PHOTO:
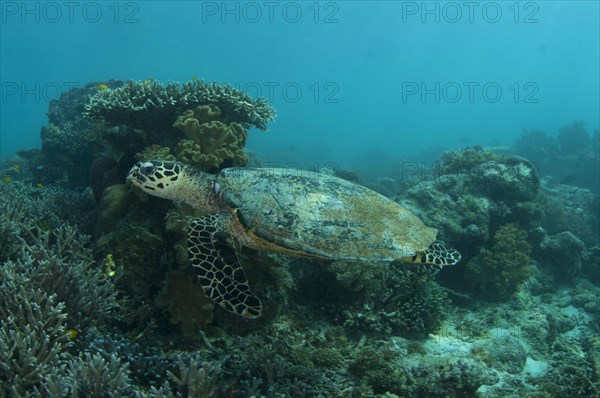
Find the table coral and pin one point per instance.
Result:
(147, 103)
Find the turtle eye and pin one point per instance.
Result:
(147, 170)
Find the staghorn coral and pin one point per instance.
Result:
(196, 378)
(32, 331)
(27, 206)
(498, 272)
(60, 262)
(149, 103)
(211, 143)
(91, 375)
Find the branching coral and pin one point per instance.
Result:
(27, 206)
(60, 262)
(141, 104)
(196, 377)
(211, 143)
(498, 272)
(91, 376)
(32, 332)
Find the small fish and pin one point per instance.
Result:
(101, 86)
(16, 167)
(109, 265)
(72, 333)
(7, 180)
(149, 80)
(39, 185)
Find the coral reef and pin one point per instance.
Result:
(563, 252)
(24, 208)
(144, 104)
(119, 314)
(498, 272)
(155, 152)
(211, 144)
(378, 299)
(571, 157)
(49, 286)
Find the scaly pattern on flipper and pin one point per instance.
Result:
(218, 268)
(436, 254)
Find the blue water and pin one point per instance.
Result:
(350, 80)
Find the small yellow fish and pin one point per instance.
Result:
(109, 266)
(16, 167)
(101, 86)
(149, 80)
(40, 186)
(72, 333)
(7, 180)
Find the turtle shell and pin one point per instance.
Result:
(321, 215)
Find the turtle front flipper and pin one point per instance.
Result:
(218, 268)
(436, 254)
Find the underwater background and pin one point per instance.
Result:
(482, 118)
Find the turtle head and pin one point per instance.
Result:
(156, 177)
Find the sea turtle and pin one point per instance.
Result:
(288, 211)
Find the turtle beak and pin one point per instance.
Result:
(133, 175)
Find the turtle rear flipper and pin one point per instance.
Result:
(218, 268)
(436, 254)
